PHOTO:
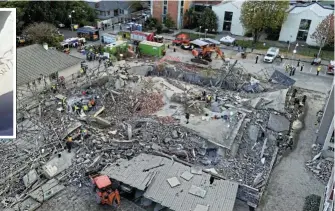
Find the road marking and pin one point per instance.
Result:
(284, 64)
(310, 70)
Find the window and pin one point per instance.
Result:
(102, 13)
(182, 3)
(109, 13)
(303, 29)
(164, 18)
(332, 138)
(97, 5)
(165, 3)
(331, 149)
(164, 10)
(228, 17)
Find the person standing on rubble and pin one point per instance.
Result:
(85, 108)
(318, 70)
(69, 143)
(77, 109)
(209, 99)
(187, 116)
(54, 88)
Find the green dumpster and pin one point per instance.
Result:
(152, 48)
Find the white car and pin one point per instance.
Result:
(271, 55)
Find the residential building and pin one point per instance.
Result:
(110, 9)
(36, 60)
(328, 204)
(228, 13)
(302, 21)
(325, 135)
(176, 10)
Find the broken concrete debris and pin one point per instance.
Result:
(144, 115)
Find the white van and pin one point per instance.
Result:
(271, 54)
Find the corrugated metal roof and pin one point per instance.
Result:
(150, 173)
(34, 60)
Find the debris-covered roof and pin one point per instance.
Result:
(34, 60)
(174, 185)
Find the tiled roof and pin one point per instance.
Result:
(149, 173)
(34, 60)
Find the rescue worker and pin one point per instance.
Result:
(204, 95)
(85, 108)
(69, 143)
(187, 116)
(287, 67)
(83, 133)
(76, 109)
(54, 88)
(81, 71)
(64, 102)
(318, 70)
(92, 102)
(256, 59)
(89, 106)
(209, 99)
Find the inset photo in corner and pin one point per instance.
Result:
(7, 73)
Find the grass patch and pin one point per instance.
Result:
(195, 36)
(304, 51)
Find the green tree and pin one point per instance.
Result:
(43, 33)
(150, 23)
(256, 16)
(208, 20)
(169, 23)
(190, 18)
(53, 12)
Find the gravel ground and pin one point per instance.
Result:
(290, 182)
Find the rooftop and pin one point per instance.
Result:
(34, 60)
(155, 44)
(174, 185)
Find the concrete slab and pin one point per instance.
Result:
(219, 132)
(173, 182)
(46, 191)
(253, 131)
(30, 178)
(200, 207)
(278, 123)
(58, 164)
(27, 205)
(197, 191)
(102, 121)
(271, 100)
(196, 170)
(187, 175)
(72, 128)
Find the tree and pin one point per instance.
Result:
(43, 33)
(209, 20)
(168, 22)
(53, 12)
(190, 18)
(151, 23)
(324, 32)
(256, 16)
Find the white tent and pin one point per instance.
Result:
(227, 39)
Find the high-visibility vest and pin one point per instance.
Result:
(76, 107)
(81, 70)
(89, 104)
(319, 69)
(85, 107)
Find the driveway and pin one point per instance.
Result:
(290, 182)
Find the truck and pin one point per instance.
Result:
(152, 48)
(138, 36)
(271, 55)
(180, 39)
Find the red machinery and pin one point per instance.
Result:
(330, 69)
(138, 36)
(181, 38)
(107, 192)
(203, 56)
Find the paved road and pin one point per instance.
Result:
(290, 182)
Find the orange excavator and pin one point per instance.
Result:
(107, 192)
(203, 56)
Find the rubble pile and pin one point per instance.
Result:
(123, 125)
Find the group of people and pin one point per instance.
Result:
(86, 107)
(82, 133)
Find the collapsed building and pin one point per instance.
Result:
(139, 132)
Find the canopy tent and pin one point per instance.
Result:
(199, 42)
(211, 41)
(227, 39)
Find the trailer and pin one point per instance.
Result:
(108, 38)
(152, 48)
(138, 36)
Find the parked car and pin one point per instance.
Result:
(271, 55)
(330, 69)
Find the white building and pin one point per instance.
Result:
(302, 21)
(328, 204)
(228, 13)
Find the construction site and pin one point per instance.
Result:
(153, 132)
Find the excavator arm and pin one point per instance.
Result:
(219, 53)
(114, 196)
